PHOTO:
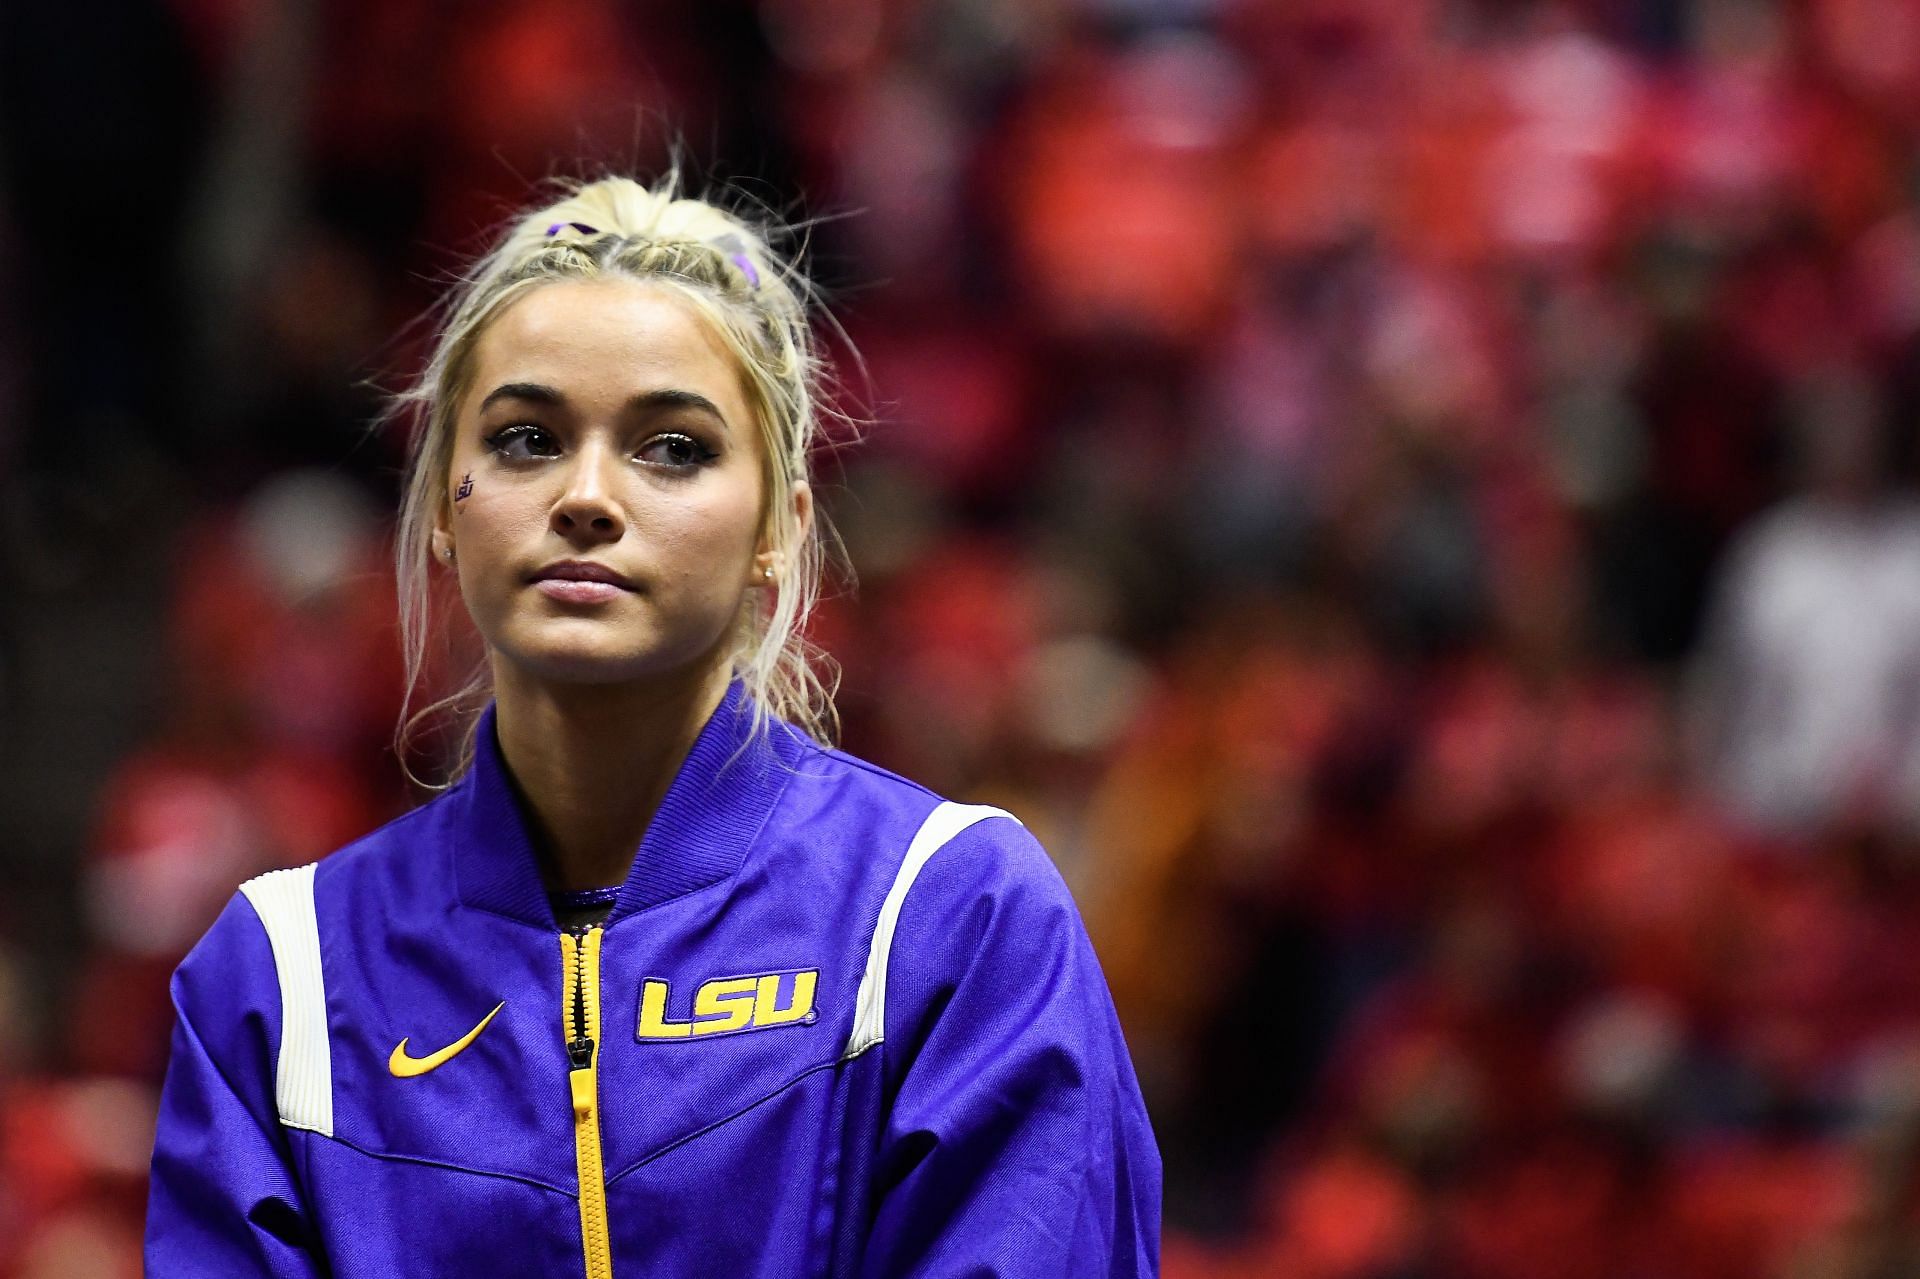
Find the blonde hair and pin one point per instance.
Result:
(757, 303)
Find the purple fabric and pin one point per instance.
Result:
(997, 1129)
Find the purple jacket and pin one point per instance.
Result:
(833, 1026)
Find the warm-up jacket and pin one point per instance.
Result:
(832, 1026)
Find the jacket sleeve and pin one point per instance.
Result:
(223, 1199)
(1016, 1142)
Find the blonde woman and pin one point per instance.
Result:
(662, 984)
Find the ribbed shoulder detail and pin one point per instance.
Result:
(945, 822)
(303, 1073)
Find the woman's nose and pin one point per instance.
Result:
(587, 507)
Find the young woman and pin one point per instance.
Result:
(662, 985)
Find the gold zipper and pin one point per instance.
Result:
(580, 957)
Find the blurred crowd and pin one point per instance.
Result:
(1412, 500)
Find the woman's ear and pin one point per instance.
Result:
(767, 568)
(442, 537)
(802, 510)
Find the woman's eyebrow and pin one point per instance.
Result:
(674, 398)
(666, 398)
(533, 391)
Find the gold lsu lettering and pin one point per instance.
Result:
(730, 1005)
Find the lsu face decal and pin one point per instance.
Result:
(731, 1005)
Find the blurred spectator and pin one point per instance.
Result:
(1810, 700)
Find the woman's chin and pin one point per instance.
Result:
(590, 663)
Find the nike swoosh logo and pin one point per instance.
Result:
(406, 1067)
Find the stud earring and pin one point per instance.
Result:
(767, 572)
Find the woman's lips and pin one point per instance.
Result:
(575, 591)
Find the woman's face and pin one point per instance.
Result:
(604, 499)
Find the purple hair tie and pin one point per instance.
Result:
(736, 251)
(581, 227)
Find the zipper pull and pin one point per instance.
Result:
(580, 1047)
(580, 1079)
(581, 1076)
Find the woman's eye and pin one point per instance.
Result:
(523, 440)
(676, 450)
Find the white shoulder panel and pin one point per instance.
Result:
(303, 1078)
(942, 824)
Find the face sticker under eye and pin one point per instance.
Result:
(465, 490)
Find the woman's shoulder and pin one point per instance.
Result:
(955, 892)
(402, 830)
(403, 860)
(809, 757)
(390, 846)
(854, 789)
(936, 846)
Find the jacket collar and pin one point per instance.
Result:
(711, 814)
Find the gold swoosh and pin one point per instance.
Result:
(406, 1067)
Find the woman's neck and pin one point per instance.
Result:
(593, 762)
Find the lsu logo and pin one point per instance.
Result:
(730, 1005)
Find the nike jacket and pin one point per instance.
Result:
(832, 1026)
